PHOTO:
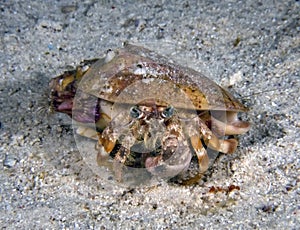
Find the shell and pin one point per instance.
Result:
(154, 77)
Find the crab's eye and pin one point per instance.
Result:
(135, 112)
(168, 112)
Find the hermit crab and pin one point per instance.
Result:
(148, 115)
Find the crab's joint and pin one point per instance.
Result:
(229, 146)
(122, 155)
(108, 144)
(220, 145)
(196, 142)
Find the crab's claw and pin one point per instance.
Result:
(174, 156)
(174, 159)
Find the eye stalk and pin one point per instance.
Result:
(168, 112)
(135, 112)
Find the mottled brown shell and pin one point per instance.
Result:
(134, 72)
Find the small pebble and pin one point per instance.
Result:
(160, 33)
(9, 161)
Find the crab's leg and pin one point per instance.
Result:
(210, 139)
(104, 149)
(201, 153)
(203, 162)
(114, 129)
(224, 146)
(107, 143)
(119, 162)
(232, 125)
(225, 123)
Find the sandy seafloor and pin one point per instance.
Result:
(250, 47)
